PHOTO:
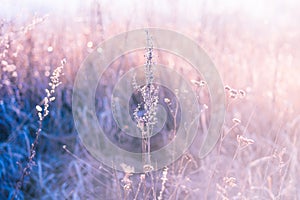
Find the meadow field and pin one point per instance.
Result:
(254, 46)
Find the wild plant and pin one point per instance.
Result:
(42, 112)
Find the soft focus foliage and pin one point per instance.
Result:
(255, 48)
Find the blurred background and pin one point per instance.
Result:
(255, 47)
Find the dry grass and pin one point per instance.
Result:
(256, 157)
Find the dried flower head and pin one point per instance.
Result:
(236, 120)
(242, 93)
(127, 169)
(200, 83)
(243, 141)
(229, 181)
(167, 100)
(148, 168)
(233, 93)
(227, 87)
(38, 108)
(164, 180)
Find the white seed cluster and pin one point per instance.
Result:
(148, 118)
(229, 181)
(145, 113)
(149, 93)
(234, 93)
(164, 180)
(243, 141)
(54, 83)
